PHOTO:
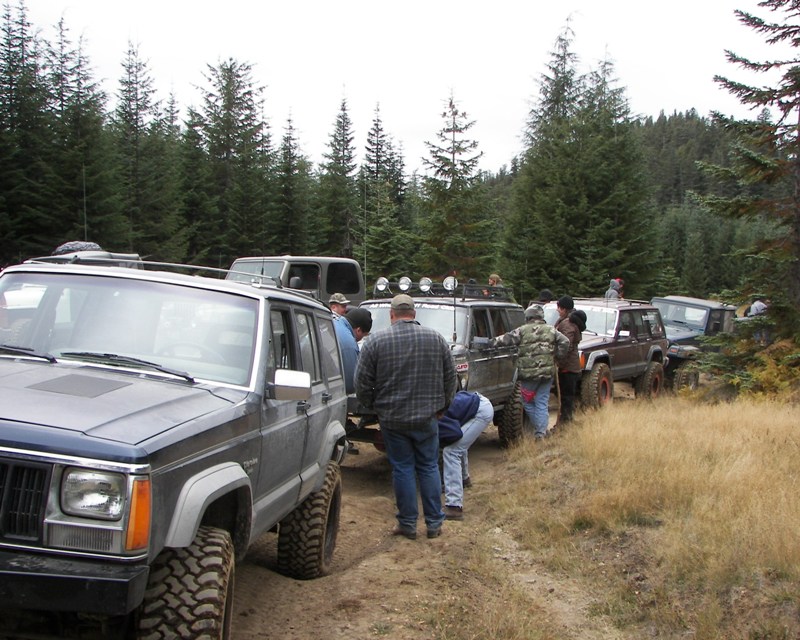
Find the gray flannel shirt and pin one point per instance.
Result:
(405, 374)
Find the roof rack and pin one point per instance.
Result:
(449, 288)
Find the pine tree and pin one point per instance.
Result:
(85, 201)
(456, 228)
(26, 123)
(337, 214)
(294, 190)
(768, 153)
(242, 161)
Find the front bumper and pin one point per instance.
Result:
(30, 581)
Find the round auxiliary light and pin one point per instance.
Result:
(425, 284)
(450, 283)
(404, 283)
(381, 284)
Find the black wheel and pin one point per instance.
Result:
(190, 591)
(192, 351)
(597, 387)
(651, 383)
(686, 376)
(510, 419)
(307, 536)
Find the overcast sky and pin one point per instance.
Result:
(408, 56)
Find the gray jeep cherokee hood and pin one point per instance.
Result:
(101, 403)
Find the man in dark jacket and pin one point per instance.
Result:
(539, 344)
(571, 323)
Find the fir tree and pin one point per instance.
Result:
(338, 196)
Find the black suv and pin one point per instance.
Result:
(467, 316)
(686, 321)
(153, 425)
(624, 340)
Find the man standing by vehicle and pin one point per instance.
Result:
(571, 323)
(351, 328)
(406, 374)
(338, 303)
(539, 346)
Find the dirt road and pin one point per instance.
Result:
(390, 587)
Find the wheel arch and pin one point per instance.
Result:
(220, 496)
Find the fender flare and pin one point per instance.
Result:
(197, 493)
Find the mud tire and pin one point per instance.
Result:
(307, 536)
(190, 591)
(597, 387)
(650, 384)
(686, 376)
(510, 419)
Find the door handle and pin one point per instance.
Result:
(326, 397)
(303, 406)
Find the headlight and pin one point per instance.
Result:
(93, 494)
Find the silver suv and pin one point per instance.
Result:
(467, 316)
(153, 425)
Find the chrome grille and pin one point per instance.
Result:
(23, 493)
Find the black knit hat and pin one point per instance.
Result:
(565, 302)
(579, 318)
(545, 295)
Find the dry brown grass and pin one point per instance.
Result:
(682, 518)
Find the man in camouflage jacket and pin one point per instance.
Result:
(539, 346)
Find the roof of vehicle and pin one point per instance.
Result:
(620, 303)
(320, 259)
(447, 292)
(170, 273)
(699, 302)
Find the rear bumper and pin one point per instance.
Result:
(29, 581)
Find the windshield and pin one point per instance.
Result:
(683, 314)
(438, 317)
(599, 320)
(250, 268)
(128, 323)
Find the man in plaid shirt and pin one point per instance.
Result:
(406, 374)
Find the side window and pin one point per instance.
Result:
(626, 322)
(308, 274)
(480, 324)
(653, 325)
(639, 329)
(330, 349)
(309, 360)
(342, 277)
(281, 348)
(499, 321)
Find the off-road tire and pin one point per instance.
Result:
(597, 387)
(510, 419)
(190, 591)
(650, 384)
(307, 536)
(686, 376)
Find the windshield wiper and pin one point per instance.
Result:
(26, 351)
(115, 358)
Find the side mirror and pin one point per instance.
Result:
(295, 282)
(290, 385)
(481, 343)
(624, 333)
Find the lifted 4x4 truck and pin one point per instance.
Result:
(624, 341)
(153, 425)
(467, 316)
(686, 321)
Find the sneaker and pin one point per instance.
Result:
(467, 482)
(406, 533)
(434, 533)
(453, 513)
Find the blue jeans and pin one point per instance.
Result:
(454, 456)
(414, 455)
(536, 409)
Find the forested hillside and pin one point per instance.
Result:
(598, 193)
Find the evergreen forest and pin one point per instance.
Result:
(597, 193)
